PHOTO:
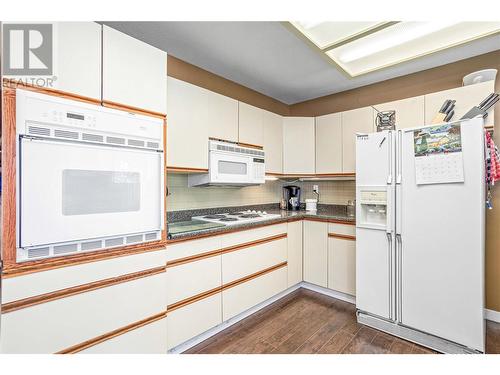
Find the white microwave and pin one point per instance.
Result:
(89, 177)
(231, 165)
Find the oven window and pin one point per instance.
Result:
(232, 167)
(87, 192)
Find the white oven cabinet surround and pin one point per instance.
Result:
(273, 141)
(250, 124)
(187, 129)
(329, 143)
(355, 121)
(466, 97)
(298, 145)
(77, 65)
(409, 112)
(134, 73)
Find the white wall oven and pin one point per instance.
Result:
(231, 165)
(88, 177)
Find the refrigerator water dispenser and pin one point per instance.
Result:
(373, 208)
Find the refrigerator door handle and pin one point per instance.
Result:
(391, 287)
(399, 278)
(399, 162)
(389, 146)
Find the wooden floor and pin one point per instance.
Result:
(308, 322)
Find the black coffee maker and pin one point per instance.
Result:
(291, 194)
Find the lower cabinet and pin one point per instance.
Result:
(342, 258)
(316, 252)
(148, 339)
(294, 248)
(241, 297)
(193, 319)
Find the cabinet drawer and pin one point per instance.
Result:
(345, 229)
(243, 262)
(148, 339)
(193, 319)
(248, 294)
(19, 287)
(250, 235)
(189, 279)
(192, 248)
(59, 324)
(342, 265)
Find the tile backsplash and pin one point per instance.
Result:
(182, 197)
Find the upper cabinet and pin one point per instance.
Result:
(298, 145)
(273, 141)
(78, 58)
(409, 112)
(221, 116)
(466, 97)
(356, 121)
(250, 122)
(329, 144)
(134, 73)
(187, 130)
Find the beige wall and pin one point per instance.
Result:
(183, 197)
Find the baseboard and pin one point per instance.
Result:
(329, 292)
(228, 323)
(492, 315)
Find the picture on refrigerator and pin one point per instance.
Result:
(440, 139)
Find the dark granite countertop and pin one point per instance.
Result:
(180, 219)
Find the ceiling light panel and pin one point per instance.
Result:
(405, 41)
(326, 34)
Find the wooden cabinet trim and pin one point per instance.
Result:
(131, 109)
(186, 170)
(117, 332)
(342, 236)
(74, 290)
(325, 220)
(249, 145)
(254, 275)
(253, 243)
(193, 299)
(192, 258)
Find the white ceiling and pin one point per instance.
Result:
(269, 58)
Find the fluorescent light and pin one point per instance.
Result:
(414, 31)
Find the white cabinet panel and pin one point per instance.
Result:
(466, 97)
(244, 262)
(273, 142)
(53, 326)
(316, 252)
(189, 279)
(250, 235)
(342, 265)
(356, 121)
(329, 143)
(409, 112)
(347, 229)
(77, 64)
(134, 73)
(294, 243)
(221, 116)
(193, 319)
(239, 298)
(298, 145)
(194, 247)
(37, 283)
(187, 129)
(250, 123)
(148, 339)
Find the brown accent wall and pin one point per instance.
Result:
(436, 79)
(197, 76)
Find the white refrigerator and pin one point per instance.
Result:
(420, 222)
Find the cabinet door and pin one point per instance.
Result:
(298, 145)
(221, 116)
(466, 97)
(316, 252)
(250, 124)
(342, 265)
(409, 112)
(187, 131)
(134, 73)
(78, 58)
(273, 141)
(294, 253)
(356, 121)
(329, 143)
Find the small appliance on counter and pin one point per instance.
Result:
(291, 194)
(311, 204)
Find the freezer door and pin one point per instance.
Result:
(441, 245)
(375, 167)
